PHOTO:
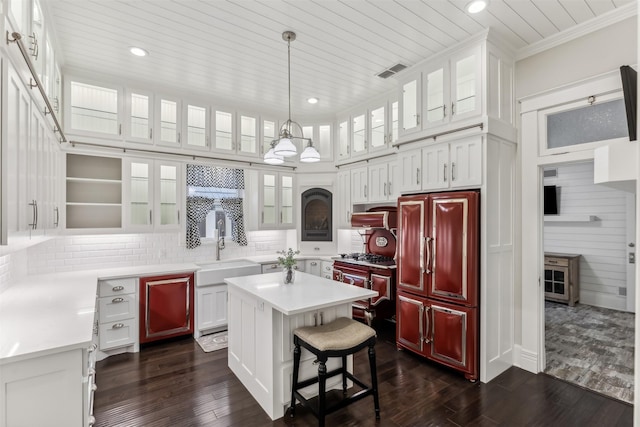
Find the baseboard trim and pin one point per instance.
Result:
(525, 359)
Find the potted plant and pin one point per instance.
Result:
(287, 261)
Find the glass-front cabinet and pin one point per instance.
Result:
(358, 134)
(152, 194)
(139, 116)
(452, 89)
(196, 127)
(276, 200)
(378, 127)
(411, 104)
(269, 133)
(168, 112)
(93, 109)
(344, 147)
(236, 132)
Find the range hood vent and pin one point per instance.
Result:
(385, 217)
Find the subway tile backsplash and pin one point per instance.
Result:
(74, 253)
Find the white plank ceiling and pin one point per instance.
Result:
(233, 52)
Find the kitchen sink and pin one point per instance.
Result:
(215, 272)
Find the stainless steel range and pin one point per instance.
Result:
(375, 268)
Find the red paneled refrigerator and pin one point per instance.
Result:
(437, 278)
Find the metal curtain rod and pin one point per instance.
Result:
(192, 156)
(436, 135)
(17, 38)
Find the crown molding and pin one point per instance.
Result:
(602, 21)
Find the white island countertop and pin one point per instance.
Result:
(306, 293)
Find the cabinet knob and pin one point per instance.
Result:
(117, 300)
(117, 288)
(118, 326)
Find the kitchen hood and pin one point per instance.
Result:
(379, 217)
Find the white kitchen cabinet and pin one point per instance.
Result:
(117, 316)
(452, 165)
(168, 121)
(343, 196)
(271, 268)
(343, 138)
(32, 170)
(211, 308)
(326, 269)
(93, 192)
(359, 134)
(55, 389)
(20, 15)
(313, 266)
(197, 127)
(270, 131)
(93, 109)
(235, 132)
(410, 106)
(322, 136)
(152, 194)
(452, 88)
(359, 180)
(276, 200)
(139, 109)
(448, 165)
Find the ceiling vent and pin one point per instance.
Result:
(550, 173)
(391, 71)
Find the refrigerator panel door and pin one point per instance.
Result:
(453, 337)
(410, 323)
(453, 247)
(411, 244)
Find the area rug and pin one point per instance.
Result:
(213, 342)
(592, 347)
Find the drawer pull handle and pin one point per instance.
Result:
(118, 326)
(117, 288)
(117, 300)
(274, 266)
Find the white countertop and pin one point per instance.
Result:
(308, 292)
(50, 313)
(47, 312)
(265, 259)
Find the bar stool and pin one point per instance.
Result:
(339, 338)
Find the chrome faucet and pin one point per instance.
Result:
(219, 239)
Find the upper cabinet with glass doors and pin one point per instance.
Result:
(168, 112)
(452, 89)
(197, 127)
(93, 109)
(276, 200)
(462, 87)
(236, 133)
(139, 116)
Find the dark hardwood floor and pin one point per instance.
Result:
(175, 383)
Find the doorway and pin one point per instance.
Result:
(589, 328)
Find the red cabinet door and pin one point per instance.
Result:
(410, 251)
(452, 247)
(452, 336)
(166, 306)
(410, 322)
(382, 284)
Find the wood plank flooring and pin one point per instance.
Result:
(175, 383)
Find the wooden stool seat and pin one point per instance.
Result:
(339, 338)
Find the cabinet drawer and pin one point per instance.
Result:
(270, 268)
(117, 286)
(327, 276)
(327, 267)
(561, 262)
(116, 308)
(117, 334)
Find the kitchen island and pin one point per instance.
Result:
(263, 312)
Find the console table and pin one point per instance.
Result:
(562, 277)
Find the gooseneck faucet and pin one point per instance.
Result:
(219, 239)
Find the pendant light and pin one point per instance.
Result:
(283, 146)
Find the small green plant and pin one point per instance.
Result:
(287, 259)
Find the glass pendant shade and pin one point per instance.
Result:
(310, 155)
(271, 158)
(285, 148)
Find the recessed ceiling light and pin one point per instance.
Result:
(138, 51)
(476, 6)
(312, 100)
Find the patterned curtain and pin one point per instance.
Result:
(199, 207)
(197, 210)
(233, 209)
(208, 176)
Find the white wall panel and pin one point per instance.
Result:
(602, 243)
